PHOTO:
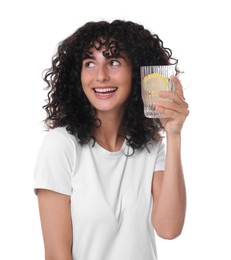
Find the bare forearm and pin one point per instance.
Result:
(56, 224)
(169, 213)
(60, 257)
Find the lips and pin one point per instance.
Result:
(105, 90)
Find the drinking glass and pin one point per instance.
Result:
(153, 80)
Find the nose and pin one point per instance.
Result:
(102, 73)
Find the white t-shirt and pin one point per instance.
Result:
(111, 199)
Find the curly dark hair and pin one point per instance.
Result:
(67, 106)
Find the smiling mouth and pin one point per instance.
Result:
(105, 90)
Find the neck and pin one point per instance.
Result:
(110, 135)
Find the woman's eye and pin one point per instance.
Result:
(115, 62)
(89, 64)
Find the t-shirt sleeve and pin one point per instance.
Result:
(54, 166)
(160, 158)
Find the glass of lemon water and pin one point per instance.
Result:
(153, 80)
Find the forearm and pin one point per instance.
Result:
(56, 224)
(59, 257)
(169, 212)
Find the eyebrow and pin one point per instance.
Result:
(87, 56)
(106, 57)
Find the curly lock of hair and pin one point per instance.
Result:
(67, 106)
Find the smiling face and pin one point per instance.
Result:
(106, 80)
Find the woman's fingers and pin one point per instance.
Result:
(177, 96)
(174, 97)
(173, 106)
(176, 106)
(178, 86)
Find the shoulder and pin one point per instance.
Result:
(59, 132)
(59, 135)
(155, 146)
(56, 161)
(58, 149)
(59, 139)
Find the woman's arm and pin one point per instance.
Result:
(55, 215)
(168, 188)
(169, 194)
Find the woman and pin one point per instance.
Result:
(103, 177)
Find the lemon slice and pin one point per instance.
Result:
(155, 82)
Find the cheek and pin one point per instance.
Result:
(85, 80)
(128, 81)
(84, 86)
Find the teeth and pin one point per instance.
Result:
(105, 90)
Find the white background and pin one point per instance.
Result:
(198, 32)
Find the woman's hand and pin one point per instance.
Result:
(176, 110)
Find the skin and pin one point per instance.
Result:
(98, 73)
(168, 189)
